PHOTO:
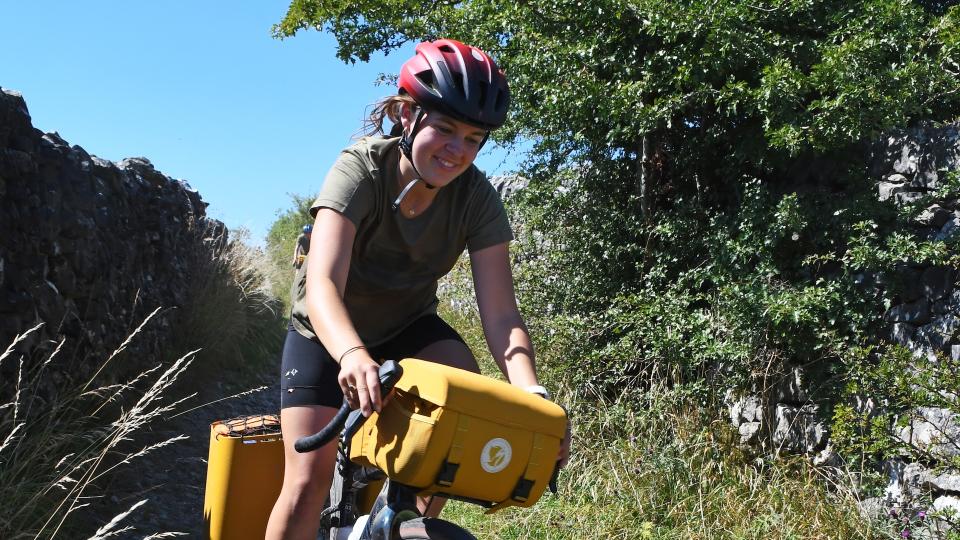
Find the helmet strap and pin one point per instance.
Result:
(406, 148)
(406, 145)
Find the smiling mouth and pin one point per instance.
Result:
(446, 164)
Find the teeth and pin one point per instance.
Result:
(445, 163)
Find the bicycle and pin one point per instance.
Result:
(394, 514)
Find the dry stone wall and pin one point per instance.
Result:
(908, 165)
(911, 164)
(90, 247)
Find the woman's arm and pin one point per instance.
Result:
(506, 334)
(503, 327)
(333, 234)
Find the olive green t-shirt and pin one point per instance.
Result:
(397, 261)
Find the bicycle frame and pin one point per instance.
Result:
(398, 504)
(393, 508)
(394, 514)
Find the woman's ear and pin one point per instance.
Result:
(406, 115)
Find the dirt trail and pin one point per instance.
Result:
(172, 478)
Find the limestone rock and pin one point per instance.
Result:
(749, 432)
(948, 505)
(907, 197)
(798, 429)
(937, 282)
(938, 333)
(934, 430)
(943, 482)
(948, 229)
(916, 313)
(887, 190)
(744, 408)
(80, 233)
(902, 334)
(790, 387)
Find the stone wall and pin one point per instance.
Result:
(911, 164)
(925, 319)
(89, 247)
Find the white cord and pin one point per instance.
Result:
(403, 193)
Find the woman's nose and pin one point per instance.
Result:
(455, 146)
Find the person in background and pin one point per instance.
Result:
(393, 215)
(303, 246)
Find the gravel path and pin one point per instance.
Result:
(172, 478)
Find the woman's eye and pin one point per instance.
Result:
(444, 129)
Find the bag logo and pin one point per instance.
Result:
(496, 455)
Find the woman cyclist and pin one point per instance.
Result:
(392, 217)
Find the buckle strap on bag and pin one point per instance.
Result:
(521, 492)
(448, 471)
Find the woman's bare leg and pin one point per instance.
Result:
(306, 477)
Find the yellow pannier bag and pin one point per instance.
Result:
(460, 434)
(244, 475)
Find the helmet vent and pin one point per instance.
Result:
(446, 48)
(426, 77)
(501, 97)
(458, 81)
(483, 93)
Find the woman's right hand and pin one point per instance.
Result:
(360, 382)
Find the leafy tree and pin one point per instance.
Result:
(708, 90)
(696, 161)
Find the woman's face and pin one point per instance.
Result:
(444, 148)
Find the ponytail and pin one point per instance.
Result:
(388, 108)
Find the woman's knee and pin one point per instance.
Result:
(309, 475)
(306, 486)
(450, 352)
(306, 475)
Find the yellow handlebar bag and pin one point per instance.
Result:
(463, 435)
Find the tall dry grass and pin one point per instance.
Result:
(58, 451)
(232, 316)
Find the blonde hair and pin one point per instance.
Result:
(388, 108)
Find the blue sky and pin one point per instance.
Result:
(199, 88)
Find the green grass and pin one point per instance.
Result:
(668, 471)
(656, 465)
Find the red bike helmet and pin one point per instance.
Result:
(458, 80)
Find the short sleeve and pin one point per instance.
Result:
(347, 188)
(486, 217)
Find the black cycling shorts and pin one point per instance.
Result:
(308, 374)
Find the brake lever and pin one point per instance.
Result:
(389, 373)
